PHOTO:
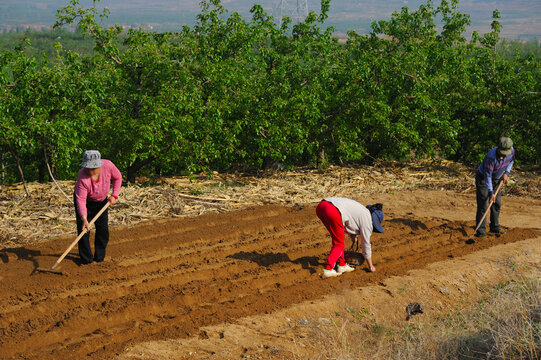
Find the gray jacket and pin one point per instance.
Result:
(358, 219)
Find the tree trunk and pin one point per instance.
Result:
(137, 165)
(322, 158)
(46, 158)
(3, 161)
(41, 172)
(14, 154)
(41, 162)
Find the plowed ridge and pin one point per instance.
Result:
(166, 279)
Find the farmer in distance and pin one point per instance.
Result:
(90, 196)
(341, 215)
(495, 168)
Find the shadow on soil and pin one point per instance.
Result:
(268, 259)
(446, 225)
(413, 224)
(462, 229)
(23, 253)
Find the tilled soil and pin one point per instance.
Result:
(168, 278)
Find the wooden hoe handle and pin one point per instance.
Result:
(489, 206)
(80, 236)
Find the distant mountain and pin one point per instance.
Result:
(520, 18)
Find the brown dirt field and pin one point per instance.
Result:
(168, 278)
(368, 322)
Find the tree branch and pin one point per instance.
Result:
(51, 174)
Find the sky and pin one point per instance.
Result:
(520, 18)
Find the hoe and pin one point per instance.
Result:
(471, 241)
(52, 269)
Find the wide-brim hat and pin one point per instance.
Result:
(505, 146)
(92, 159)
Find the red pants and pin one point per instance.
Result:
(332, 219)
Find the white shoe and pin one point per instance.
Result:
(330, 273)
(345, 268)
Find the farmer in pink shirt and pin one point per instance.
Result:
(90, 196)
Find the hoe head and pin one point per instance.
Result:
(354, 258)
(52, 271)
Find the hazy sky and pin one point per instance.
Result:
(520, 18)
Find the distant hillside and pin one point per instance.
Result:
(520, 18)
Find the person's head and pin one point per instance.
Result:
(376, 211)
(92, 162)
(505, 146)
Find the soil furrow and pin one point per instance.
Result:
(168, 278)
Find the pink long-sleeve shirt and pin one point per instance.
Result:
(86, 188)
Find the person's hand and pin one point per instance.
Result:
(371, 266)
(505, 177)
(492, 198)
(86, 226)
(112, 200)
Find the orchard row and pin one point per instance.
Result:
(232, 92)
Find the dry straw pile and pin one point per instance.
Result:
(48, 214)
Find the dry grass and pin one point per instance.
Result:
(504, 324)
(48, 214)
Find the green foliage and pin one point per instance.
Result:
(44, 42)
(232, 92)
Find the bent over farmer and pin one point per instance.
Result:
(341, 215)
(495, 168)
(90, 196)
